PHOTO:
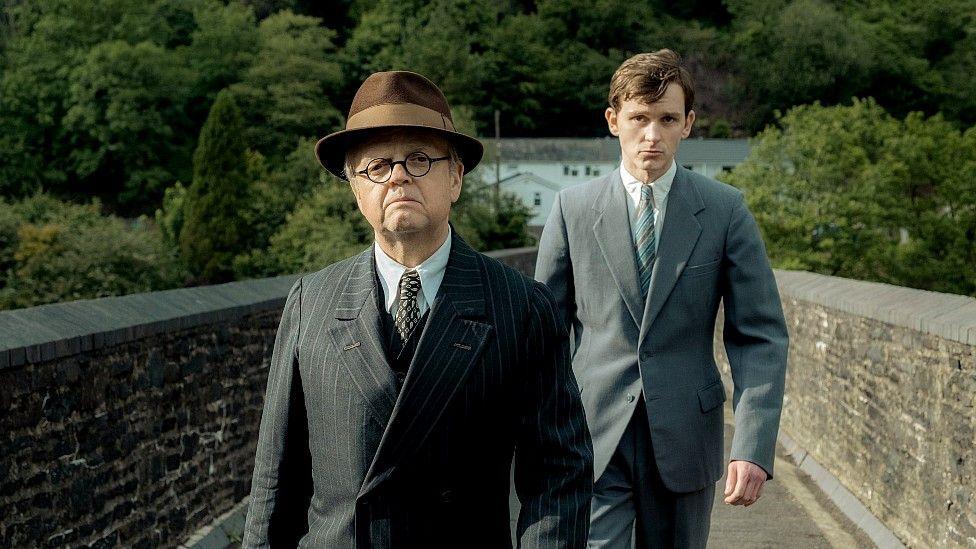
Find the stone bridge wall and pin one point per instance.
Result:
(132, 420)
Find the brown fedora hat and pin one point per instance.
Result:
(396, 99)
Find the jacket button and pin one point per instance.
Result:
(645, 356)
(447, 496)
(631, 398)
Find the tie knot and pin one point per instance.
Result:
(409, 284)
(647, 194)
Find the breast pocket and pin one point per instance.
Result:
(693, 271)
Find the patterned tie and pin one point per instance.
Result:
(644, 238)
(408, 313)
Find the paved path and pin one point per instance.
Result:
(792, 512)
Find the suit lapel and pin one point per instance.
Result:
(449, 348)
(616, 241)
(359, 338)
(678, 238)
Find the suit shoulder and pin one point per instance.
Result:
(498, 273)
(577, 201)
(330, 275)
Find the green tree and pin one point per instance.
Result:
(854, 192)
(806, 51)
(127, 122)
(221, 47)
(286, 93)
(214, 231)
(324, 228)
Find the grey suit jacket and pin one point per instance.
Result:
(710, 251)
(344, 460)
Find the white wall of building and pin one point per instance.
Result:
(560, 175)
(536, 196)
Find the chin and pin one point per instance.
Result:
(404, 224)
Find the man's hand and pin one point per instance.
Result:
(744, 483)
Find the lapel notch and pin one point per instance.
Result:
(359, 335)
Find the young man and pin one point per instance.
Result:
(638, 262)
(403, 378)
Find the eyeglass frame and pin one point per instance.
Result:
(393, 163)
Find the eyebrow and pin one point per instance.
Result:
(648, 112)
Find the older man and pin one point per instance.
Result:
(403, 378)
(639, 261)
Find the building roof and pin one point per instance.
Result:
(554, 149)
(606, 149)
(726, 152)
(531, 178)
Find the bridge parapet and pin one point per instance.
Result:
(132, 420)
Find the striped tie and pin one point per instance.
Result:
(408, 313)
(644, 238)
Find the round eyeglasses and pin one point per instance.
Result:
(417, 164)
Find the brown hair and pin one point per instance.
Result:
(646, 77)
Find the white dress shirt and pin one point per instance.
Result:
(660, 187)
(431, 273)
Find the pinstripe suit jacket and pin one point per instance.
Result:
(343, 460)
(710, 251)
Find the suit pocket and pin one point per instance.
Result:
(711, 396)
(703, 269)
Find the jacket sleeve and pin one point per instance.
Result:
(553, 454)
(756, 341)
(282, 480)
(553, 266)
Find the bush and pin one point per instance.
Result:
(323, 229)
(475, 220)
(53, 251)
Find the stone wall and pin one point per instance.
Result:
(131, 421)
(881, 390)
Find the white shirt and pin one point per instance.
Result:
(660, 187)
(431, 273)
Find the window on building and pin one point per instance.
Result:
(589, 170)
(565, 170)
(728, 168)
(575, 172)
(596, 171)
(537, 199)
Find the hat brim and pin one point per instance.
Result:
(331, 149)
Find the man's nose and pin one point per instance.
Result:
(652, 133)
(399, 175)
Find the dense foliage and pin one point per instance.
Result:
(53, 251)
(106, 99)
(855, 192)
(104, 104)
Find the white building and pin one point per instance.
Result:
(536, 169)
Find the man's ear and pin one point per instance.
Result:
(689, 121)
(611, 116)
(457, 180)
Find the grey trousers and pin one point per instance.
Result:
(632, 508)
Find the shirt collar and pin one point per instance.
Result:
(660, 185)
(431, 272)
